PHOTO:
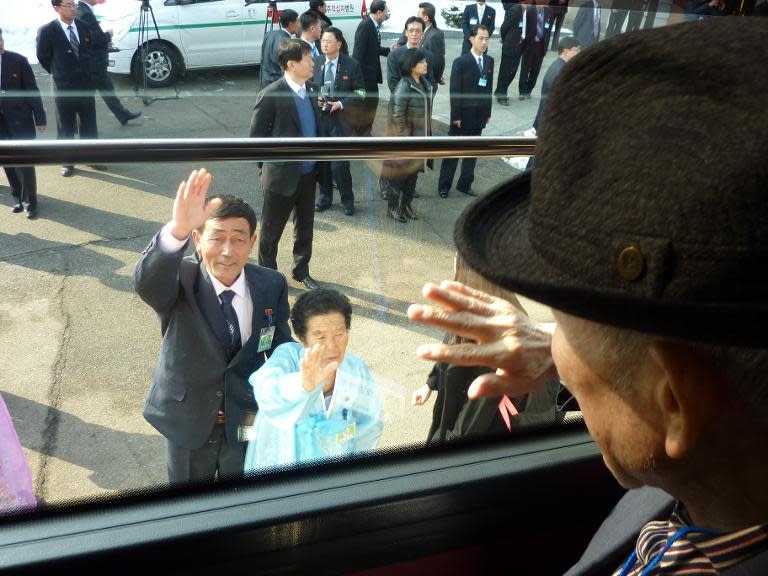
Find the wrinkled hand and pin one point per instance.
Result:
(421, 395)
(313, 374)
(189, 208)
(505, 339)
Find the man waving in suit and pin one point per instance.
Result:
(21, 109)
(288, 108)
(219, 316)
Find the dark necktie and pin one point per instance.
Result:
(378, 36)
(233, 325)
(73, 40)
(329, 75)
(480, 65)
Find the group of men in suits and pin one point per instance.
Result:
(21, 114)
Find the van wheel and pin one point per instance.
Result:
(161, 64)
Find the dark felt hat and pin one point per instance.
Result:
(647, 207)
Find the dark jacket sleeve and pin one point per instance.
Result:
(44, 48)
(282, 329)
(492, 26)
(437, 47)
(400, 107)
(263, 119)
(488, 102)
(28, 84)
(393, 69)
(156, 276)
(456, 89)
(466, 28)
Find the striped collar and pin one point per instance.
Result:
(695, 553)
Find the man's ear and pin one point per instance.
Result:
(686, 394)
(196, 238)
(253, 239)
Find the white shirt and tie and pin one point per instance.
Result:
(315, 53)
(480, 12)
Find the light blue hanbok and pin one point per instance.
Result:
(293, 425)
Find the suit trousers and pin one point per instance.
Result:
(635, 20)
(274, 215)
(76, 114)
(557, 23)
(616, 22)
(23, 181)
(510, 61)
(530, 67)
(339, 171)
(448, 165)
(367, 112)
(107, 92)
(216, 459)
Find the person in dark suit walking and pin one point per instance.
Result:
(287, 108)
(587, 24)
(534, 47)
(569, 47)
(65, 49)
(559, 8)
(471, 101)
(21, 110)
(344, 89)
(368, 51)
(219, 317)
(269, 67)
(511, 37)
(102, 80)
(478, 14)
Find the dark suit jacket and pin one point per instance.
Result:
(583, 25)
(275, 116)
(55, 54)
(512, 28)
(393, 68)
(270, 69)
(549, 79)
(348, 80)
(434, 41)
(22, 112)
(470, 12)
(193, 370)
(530, 27)
(367, 50)
(101, 39)
(470, 102)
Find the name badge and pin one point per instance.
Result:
(347, 434)
(472, 21)
(520, 25)
(547, 25)
(483, 82)
(265, 338)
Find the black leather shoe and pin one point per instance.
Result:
(16, 208)
(128, 116)
(469, 192)
(443, 193)
(321, 207)
(31, 213)
(310, 283)
(503, 100)
(396, 215)
(410, 213)
(67, 171)
(349, 209)
(99, 167)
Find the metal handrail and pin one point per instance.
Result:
(31, 152)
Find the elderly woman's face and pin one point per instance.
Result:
(330, 332)
(421, 67)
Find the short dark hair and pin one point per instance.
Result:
(291, 49)
(475, 29)
(409, 60)
(316, 303)
(315, 4)
(287, 16)
(430, 11)
(231, 207)
(378, 6)
(412, 19)
(308, 19)
(339, 38)
(56, 2)
(567, 43)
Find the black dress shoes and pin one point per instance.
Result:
(443, 193)
(349, 209)
(309, 282)
(128, 116)
(322, 206)
(31, 213)
(67, 171)
(16, 208)
(99, 167)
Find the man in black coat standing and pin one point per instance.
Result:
(269, 68)
(21, 110)
(534, 47)
(66, 49)
(471, 101)
(588, 23)
(368, 51)
(101, 79)
(511, 37)
(343, 89)
(477, 14)
(287, 108)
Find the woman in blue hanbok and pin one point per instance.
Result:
(315, 399)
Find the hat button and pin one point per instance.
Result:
(631, 263)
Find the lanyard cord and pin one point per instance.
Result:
(630, 563)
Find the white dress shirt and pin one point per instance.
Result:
(65, 27)
(480, 12)
(300, 89)
(242, 302)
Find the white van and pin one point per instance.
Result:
(201, 33)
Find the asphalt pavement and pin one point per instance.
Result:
(77, 346)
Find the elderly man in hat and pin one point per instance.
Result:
(654, 264)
